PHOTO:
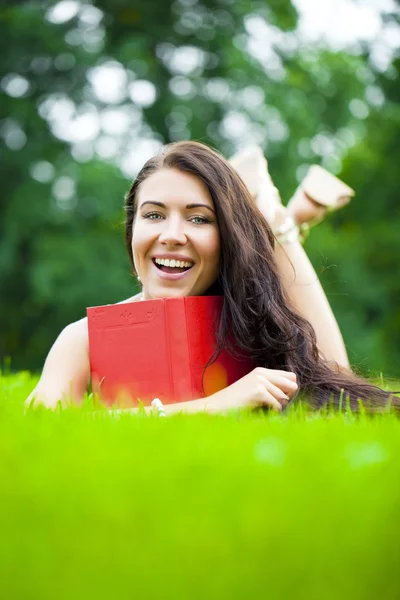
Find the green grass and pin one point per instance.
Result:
(196, 507)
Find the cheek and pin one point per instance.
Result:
(138, 239)
(136, 245)
(214, 252)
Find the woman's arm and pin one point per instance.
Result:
(66, 372)
(189, 407)
(272, 388)
(66, 375)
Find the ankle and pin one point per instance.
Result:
(303, 209)
(284, 227)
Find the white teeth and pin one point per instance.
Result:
(173, 263)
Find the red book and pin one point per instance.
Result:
(158, 349)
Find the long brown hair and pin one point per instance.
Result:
(257, 313)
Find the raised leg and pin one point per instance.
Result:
(305, 291)
(298, 276)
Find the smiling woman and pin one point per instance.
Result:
(194, 229)
(185, 219)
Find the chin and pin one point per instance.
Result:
(168, 293)
(214, 289)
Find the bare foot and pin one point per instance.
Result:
(320, 192)
(304, 209)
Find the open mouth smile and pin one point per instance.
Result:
(171, 272)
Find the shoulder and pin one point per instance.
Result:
(76, 332)
(66, 371)
(72, 345)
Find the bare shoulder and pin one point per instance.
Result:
(75, 336)
(76, 332)
(71, 349)
(66, 371)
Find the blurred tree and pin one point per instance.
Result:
(90, 91)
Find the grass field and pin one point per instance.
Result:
(196, 507)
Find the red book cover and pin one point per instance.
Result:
(158, 349)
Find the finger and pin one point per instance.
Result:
(276, 392)
(288, 374)
(271, 401)
(286, 387)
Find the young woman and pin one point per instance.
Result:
(189, 205)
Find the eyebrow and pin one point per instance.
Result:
(195, 205)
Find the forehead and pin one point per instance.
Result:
(171, 184)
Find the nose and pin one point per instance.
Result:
(173, 232)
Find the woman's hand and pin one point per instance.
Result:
(260, 387)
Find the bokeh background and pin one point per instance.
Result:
(90, 90)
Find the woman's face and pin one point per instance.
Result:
(175, 219)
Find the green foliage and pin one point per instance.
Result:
(96, 504)
(58, 256)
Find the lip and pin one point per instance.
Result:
(171, 276)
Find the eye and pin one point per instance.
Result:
(153, 214)
(203, 220)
